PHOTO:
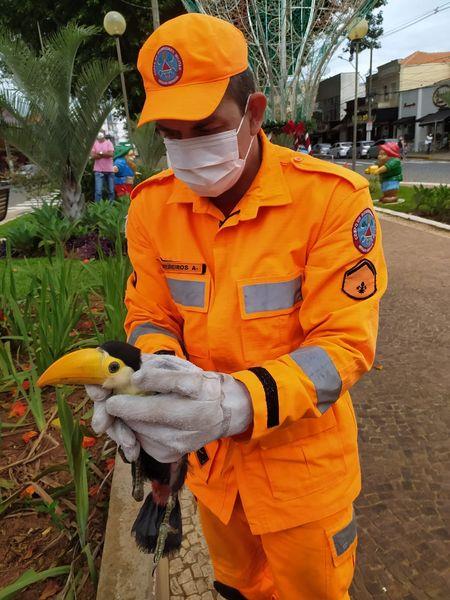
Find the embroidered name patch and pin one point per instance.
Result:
(174, 266)
(360, 282)
(167, 66)
(364, 231)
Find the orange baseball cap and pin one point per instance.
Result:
(186, 65)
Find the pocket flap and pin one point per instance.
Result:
(300, 429)
(266, 296)
(192, 294)
(343, 541)
(201, 461)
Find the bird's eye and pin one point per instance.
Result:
(113, 367)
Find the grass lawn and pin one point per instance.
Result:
(407, 206)
(23, 267)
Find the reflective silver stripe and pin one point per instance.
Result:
(343, 539)
(145, 328)
(319, 367)
(260, 297)
(187, 292)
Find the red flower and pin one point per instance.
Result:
(94, 490)
(25, 385)
(18, 409)
(88, 442)
(289, 128)
(110, 462)
(29, 435)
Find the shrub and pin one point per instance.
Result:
(24, 238)
(433, 202)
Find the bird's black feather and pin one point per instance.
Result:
(129, 354)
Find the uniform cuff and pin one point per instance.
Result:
(158, 342)
(264, 395)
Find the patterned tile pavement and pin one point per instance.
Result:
(404, 418)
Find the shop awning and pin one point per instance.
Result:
(405, 121)
(436, 117)
(385, 115)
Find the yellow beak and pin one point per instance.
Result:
(87, 366)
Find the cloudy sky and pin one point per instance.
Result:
(429, 35)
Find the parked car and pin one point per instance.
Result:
(340, 149)
(361, 149)
(373, 150)
(321, 150)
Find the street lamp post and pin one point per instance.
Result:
(115, 25)
(356, 32)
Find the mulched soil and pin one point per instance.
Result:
(31, 537)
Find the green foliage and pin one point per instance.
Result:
(24, 238)
(150, 149)
(42, 324)
(47, 230)
(33, 394)
(53, 105)
(77, 460)
(22, 17)
(54, 229)
(108, 218)
(433, 202)
(374, 186)
(112, 291)
(31, 577)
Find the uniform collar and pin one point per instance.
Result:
(269, 188)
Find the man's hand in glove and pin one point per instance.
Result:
(192, 407)
(116, 429)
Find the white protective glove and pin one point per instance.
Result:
(193, 407)
(117, 430)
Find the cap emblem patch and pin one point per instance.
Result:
(364, 231)
(167, 66)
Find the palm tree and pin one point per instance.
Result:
(51, 108)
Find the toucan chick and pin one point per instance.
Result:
(111, 366)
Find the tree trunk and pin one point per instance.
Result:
(72, 199)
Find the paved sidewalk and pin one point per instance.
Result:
(432, 156)
(404, 417)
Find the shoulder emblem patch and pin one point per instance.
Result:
(360, 282)
(167, 66)
(364, 231)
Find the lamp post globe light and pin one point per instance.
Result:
(115, 25)
(357, 30)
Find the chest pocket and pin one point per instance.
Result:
(191, 295)
(269, 311)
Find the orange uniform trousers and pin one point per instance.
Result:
(309, 562)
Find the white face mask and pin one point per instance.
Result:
(209, 164)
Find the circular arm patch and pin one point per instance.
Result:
(364, 231)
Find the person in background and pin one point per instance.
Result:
(428, 143)
(124, 170)
(401, 145)
(102, 153)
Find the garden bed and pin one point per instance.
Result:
(55, 474)
(430, 203)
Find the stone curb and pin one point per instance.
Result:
(126, 572)
(425, 184)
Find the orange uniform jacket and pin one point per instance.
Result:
(283, 294)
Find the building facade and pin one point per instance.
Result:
(332, 98)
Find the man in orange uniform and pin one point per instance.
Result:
(264, 268)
